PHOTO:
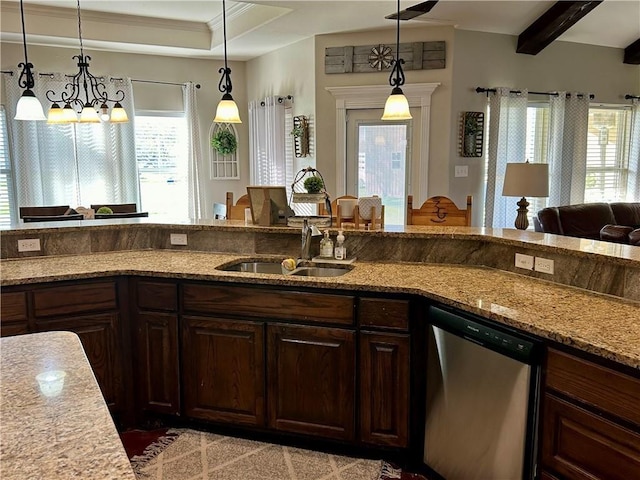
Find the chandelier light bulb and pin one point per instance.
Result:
(104, 112)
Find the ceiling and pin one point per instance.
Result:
(193, 28)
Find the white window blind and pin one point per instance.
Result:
(161, 154)
(7, 205)
(537, 147)
(607, 155)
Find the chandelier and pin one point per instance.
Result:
(29, 107)
(227, 111)
(397, 106)
(86, 92)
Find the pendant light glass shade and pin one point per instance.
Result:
(227, 111)
(55, 114)
(118, 114)
(89, 114)
(397, 106)
(29, 107)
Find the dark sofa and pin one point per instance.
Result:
(612, 222)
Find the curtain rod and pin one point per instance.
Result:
(44, 74)
(158, 82)
(553, 94)
(631, 97)
(280, 100)
(9, 72)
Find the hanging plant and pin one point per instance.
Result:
(224, 142)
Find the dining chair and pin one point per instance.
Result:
(52, 218)
(439, 211)
(46, 211)
(117, 207)
(236, 212)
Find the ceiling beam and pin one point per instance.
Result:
(414, 11)
(632, 53)
(551, 24)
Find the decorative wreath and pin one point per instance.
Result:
(224, 142)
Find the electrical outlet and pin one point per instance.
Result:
(29, 245)
(178, 238)
(524, 261)
(462, 171)
(544, 265)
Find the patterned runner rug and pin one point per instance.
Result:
(189, 455)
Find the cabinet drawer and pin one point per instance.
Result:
(14, 307)
(577, 444)
(71, 299)
(611, 391)
(157, 295)
(380, 312)
(258, 302)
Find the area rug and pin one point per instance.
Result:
(184, 454)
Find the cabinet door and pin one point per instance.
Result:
(223, 370)
(384, 388)
(311, 380)
(101, 340)
(13, 316)
(157, 362)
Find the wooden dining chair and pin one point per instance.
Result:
(46, 211)
(117, 207)
(439, 211)
(236, 212)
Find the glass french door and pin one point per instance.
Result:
(378, 161)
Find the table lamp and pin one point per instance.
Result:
(525, 180)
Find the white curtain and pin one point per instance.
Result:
(267, 160)
(568, 122)
(507, 143)
(633, 180)
(74, 164)
(195, 150)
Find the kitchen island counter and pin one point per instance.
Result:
(55, 423)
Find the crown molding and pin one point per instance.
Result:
(232, 12)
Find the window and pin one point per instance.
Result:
(608, 141)
(162, 157)
(6, 177)
(537, 146)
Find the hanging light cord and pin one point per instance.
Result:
(26, 79)
(396, 78)
(80, 30)
(225, 81)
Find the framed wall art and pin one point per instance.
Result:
(471, 136)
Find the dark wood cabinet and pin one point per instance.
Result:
(156, 358)
(13, 313)
(223, 370)
(591, 420)
(311, 380)
(384, 388)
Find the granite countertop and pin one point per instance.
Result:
(603, 325)
(57, 426)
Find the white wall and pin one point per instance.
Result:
(157, 97)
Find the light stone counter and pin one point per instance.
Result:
(55, 426)
(596, 323)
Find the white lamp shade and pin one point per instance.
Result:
(56, 114)
(29, 107)
(227, 112)
(119, 114)
(396, 107)
(526, 180)
(89, 115)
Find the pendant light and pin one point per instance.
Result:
(29, 107)
(397, 106)
(87, 92)
(227, 111)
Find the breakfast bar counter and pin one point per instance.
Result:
(55, 423)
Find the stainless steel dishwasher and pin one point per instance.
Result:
(483, 385)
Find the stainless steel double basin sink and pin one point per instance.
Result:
(276, 269)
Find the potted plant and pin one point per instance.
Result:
(314, 184)
(224, 142)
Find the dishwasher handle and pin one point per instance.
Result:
(512, 345)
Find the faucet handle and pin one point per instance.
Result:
(315, 231)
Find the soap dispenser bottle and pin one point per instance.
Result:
(326, 246)
(340, 252)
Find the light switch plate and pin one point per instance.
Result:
(462, 171)
(178, 238)
(524, 261)
(29, 245)
(544, 265)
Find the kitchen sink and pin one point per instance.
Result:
(319, 272)
(254, 267)
(276, 268)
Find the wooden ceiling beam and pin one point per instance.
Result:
(414, 11)
(553, 23)
(632, 53)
